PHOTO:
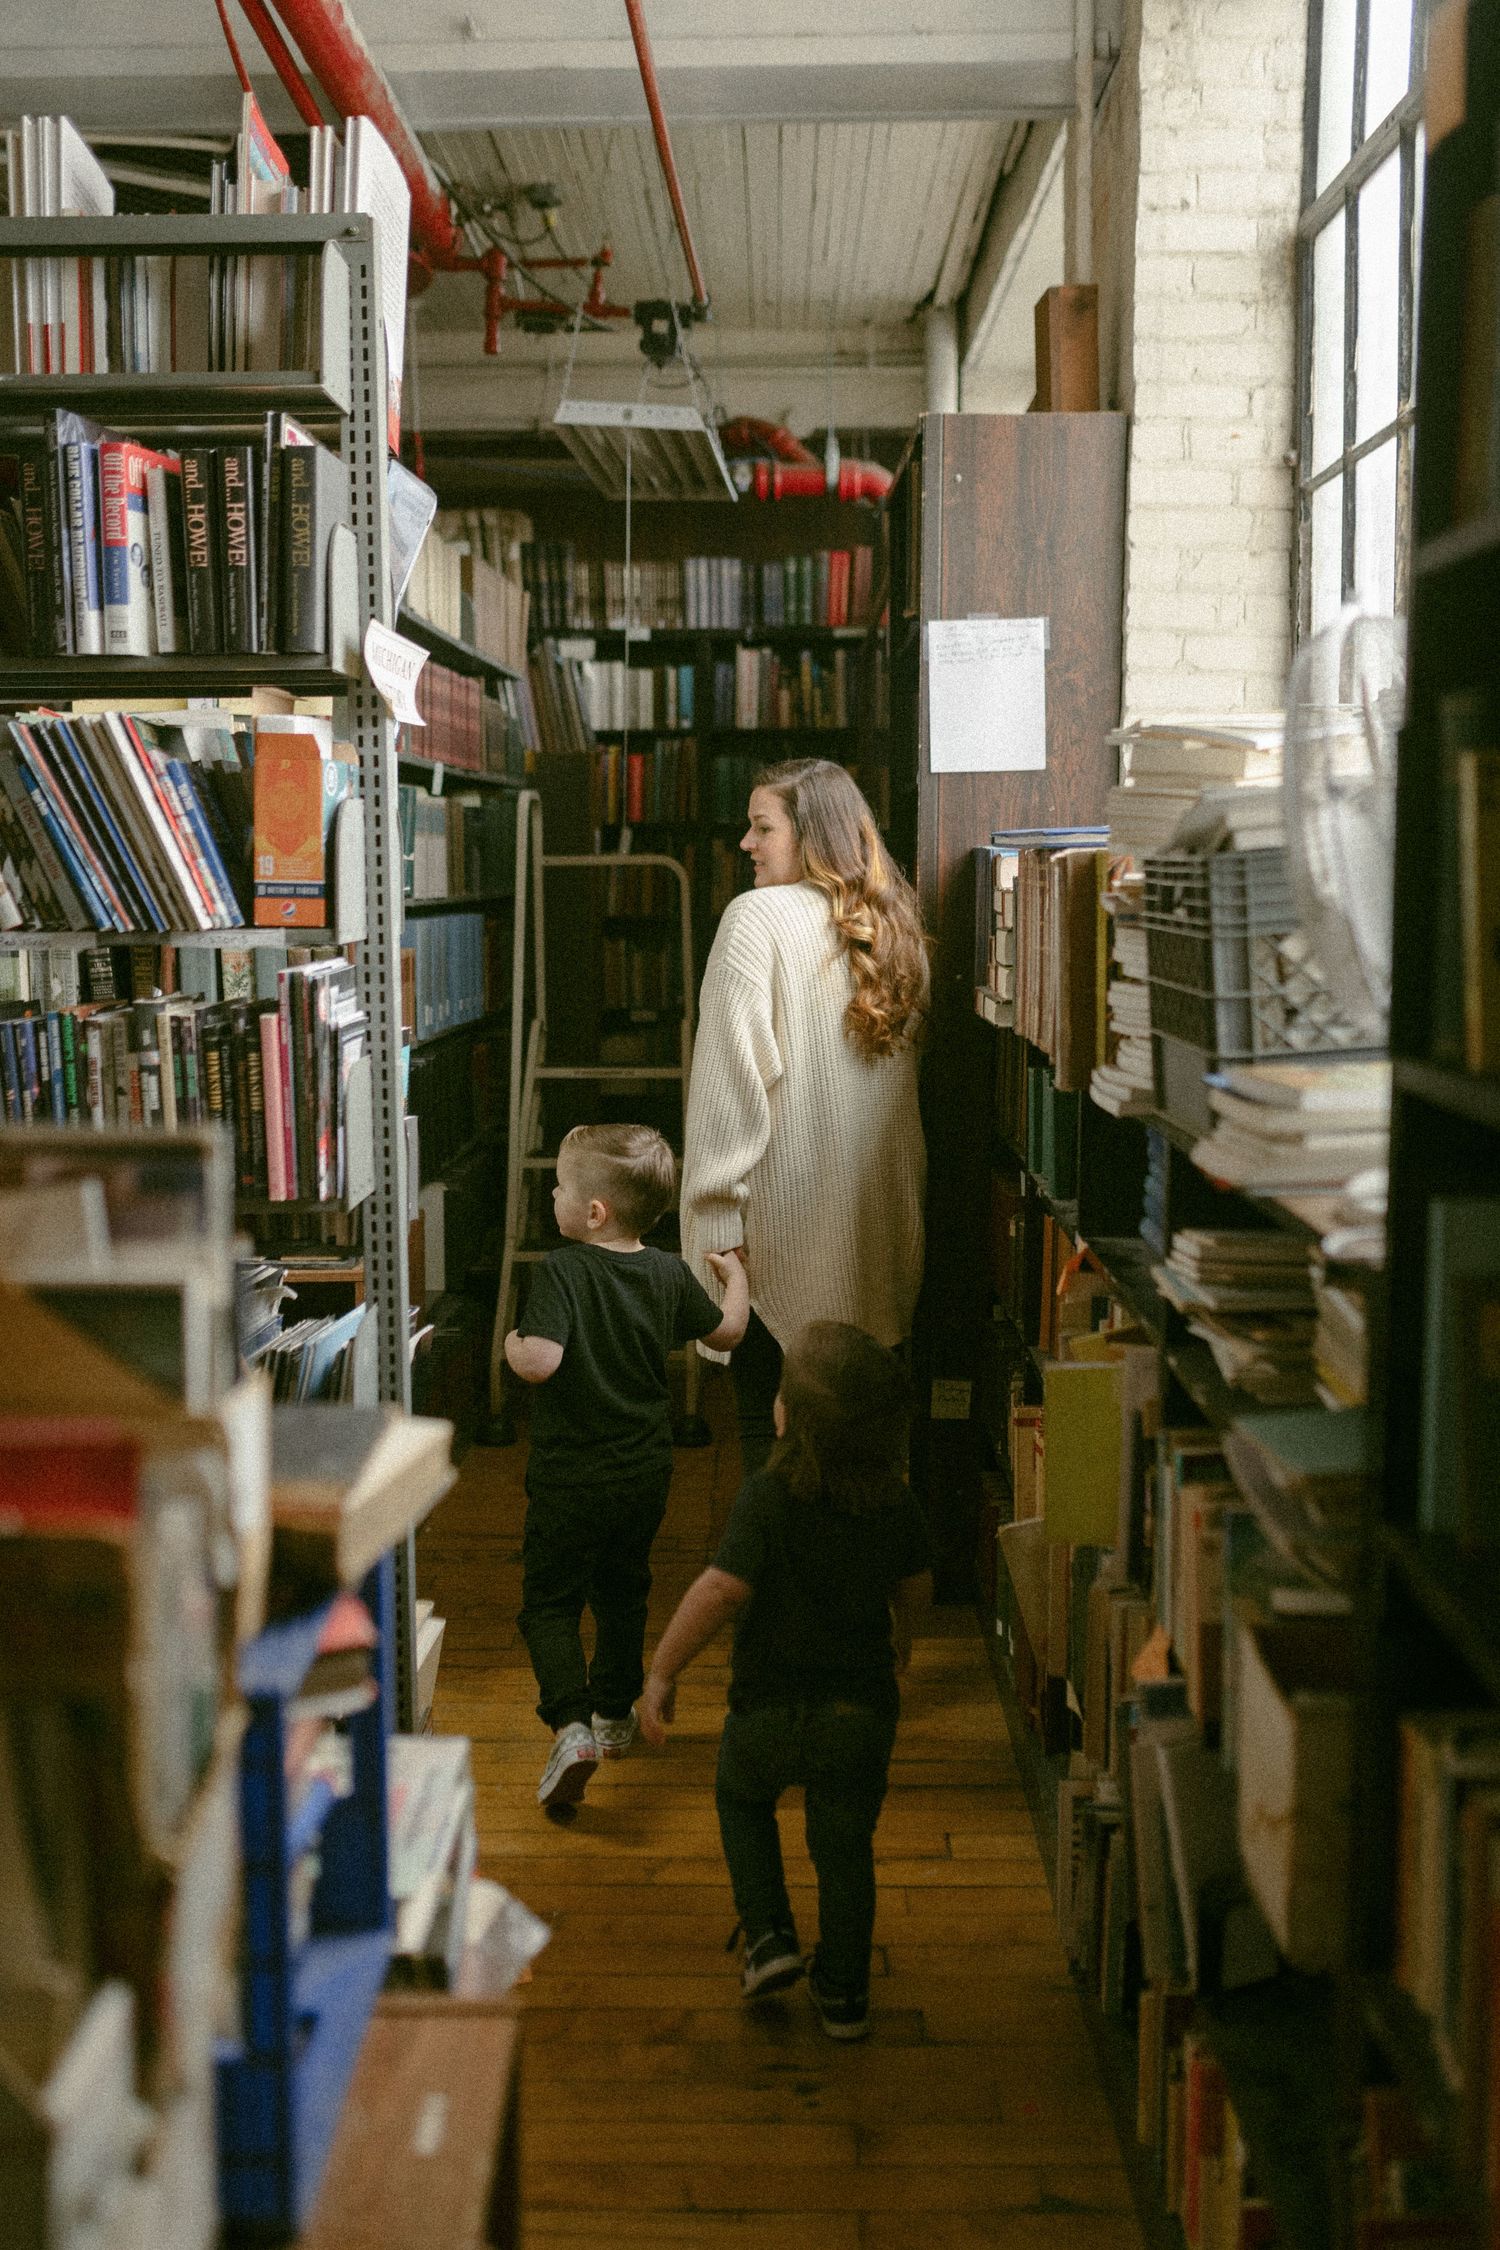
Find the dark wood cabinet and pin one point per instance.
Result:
(1009, 516)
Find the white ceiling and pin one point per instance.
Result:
(838, 171)
(801, 227)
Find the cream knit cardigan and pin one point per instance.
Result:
(799, 1147)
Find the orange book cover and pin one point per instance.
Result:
(290, 877)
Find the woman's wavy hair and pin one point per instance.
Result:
(874, 908)
(848, 1419)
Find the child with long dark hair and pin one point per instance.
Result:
(822, 1566)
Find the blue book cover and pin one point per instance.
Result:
(59, 825)
(180, 773)
(120, 860)
(81, 467)
(30, 1069)
(52, 1031)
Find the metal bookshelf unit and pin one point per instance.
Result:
(344, 399)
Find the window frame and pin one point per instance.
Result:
(1337, 204)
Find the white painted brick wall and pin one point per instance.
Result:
(1196, 282)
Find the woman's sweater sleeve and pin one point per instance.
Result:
(736, 1062)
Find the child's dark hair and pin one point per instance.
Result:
(848, 1418)
(629, 1167)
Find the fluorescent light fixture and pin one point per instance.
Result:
(675, 454)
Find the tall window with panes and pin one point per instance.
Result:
(1358, 241)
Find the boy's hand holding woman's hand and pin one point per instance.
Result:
(728, 1270)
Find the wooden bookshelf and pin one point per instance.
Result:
(1018, 516)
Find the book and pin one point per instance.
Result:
(125, 547)
(237, 467)
(164, 518)
(81, 461)
(345, 1488)
(1314, 1088)
(314, 504)
(1081, 1448)
(201, 547)
(289, 872)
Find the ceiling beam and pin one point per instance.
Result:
(1009, 232)
(781, 375)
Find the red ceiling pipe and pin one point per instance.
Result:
(638, 32)
(857, 480)
(747, 435)
(343, 66)
(282, 60)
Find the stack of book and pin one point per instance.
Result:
(1448, 1901)
(1340, 1338)
(458, 591)
(1045, 943)
(111, 822)
(133, 1566)
(765, 689)
(452, 705)
(1249, 1295)
(275, 1073)
(731, 777)
(1124, 1083)
(655, 698)
(1290, 1128)
(1166, 764)
(560, 697)
(446, 973)
(129, 549)
(658, 782)
(314, 1359)
(455, 846)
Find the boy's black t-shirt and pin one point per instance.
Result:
(818, 1623)
(604, 1417)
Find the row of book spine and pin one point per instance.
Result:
(275, 1073)
(447, 973)
(105, 826)
(761, 689)
(646, 696)
(658, 782)
(701, 593)
(126, 549)
(455, 849)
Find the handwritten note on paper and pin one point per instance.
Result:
(987, 694)
(395, 665)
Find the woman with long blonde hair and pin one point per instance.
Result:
(804, 1145)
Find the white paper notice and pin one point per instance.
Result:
(395, 665)
(987, 694)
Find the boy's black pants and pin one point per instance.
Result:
(588, 1548)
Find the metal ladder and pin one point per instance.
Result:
(530, 1071)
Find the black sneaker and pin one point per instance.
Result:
(843, 2015)
(771, 1963)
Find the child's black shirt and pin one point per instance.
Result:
(604, 1417)
(818, 1623)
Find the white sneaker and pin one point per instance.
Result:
(614, 1736)
(565, 1776)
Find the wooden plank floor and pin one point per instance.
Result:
(658, 2109)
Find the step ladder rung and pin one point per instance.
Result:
(602, 1073)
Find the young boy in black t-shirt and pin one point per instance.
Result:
(603, 1312)
(822, 1566)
